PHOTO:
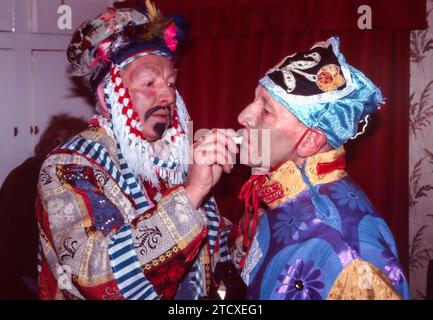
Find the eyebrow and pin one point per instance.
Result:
(145, 68)
(152, 69)
(266, 99)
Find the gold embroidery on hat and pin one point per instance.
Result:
(329, 78)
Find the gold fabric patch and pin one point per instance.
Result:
(289, 176)
(361, 280)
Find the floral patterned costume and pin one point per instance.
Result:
(321, 238)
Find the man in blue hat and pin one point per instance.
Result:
(308, 231)
(117, 217)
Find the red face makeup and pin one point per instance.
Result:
(151, 83)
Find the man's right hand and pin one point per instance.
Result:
(214, 153)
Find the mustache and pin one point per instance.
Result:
(154, 109)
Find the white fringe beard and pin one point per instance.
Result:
(138, 153)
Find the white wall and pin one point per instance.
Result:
(34, 80)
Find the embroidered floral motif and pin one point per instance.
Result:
(297, 67)
(60, 211)
(55, 205)
(100, 177)
(182, 209)
(69, 249)
(349, 195)
(329, 78)
(301, 282)
(112, 293)
(45, 177)
(147, 237)
(292, 220)
(271, 193)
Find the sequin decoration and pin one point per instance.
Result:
(105, 214)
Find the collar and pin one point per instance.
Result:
(288, 180)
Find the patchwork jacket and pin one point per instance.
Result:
(106, 235)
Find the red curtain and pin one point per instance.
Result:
(233, 43)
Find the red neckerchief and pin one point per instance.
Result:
(326, 167)
(249, 194)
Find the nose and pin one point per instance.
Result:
(166, 96)
(247, 117)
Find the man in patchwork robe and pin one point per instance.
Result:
(118, 218)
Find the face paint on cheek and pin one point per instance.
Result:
(143, 97)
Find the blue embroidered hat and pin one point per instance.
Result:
(323, 91)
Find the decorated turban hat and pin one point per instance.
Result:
(323, 91)
(120, 33)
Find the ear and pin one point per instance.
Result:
(100, 94)
(101, 100)
(313, 141)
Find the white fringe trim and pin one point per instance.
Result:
(136, 151)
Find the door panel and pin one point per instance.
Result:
(7, 15)
(53, 89)
(8, 141)
(34, 82)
